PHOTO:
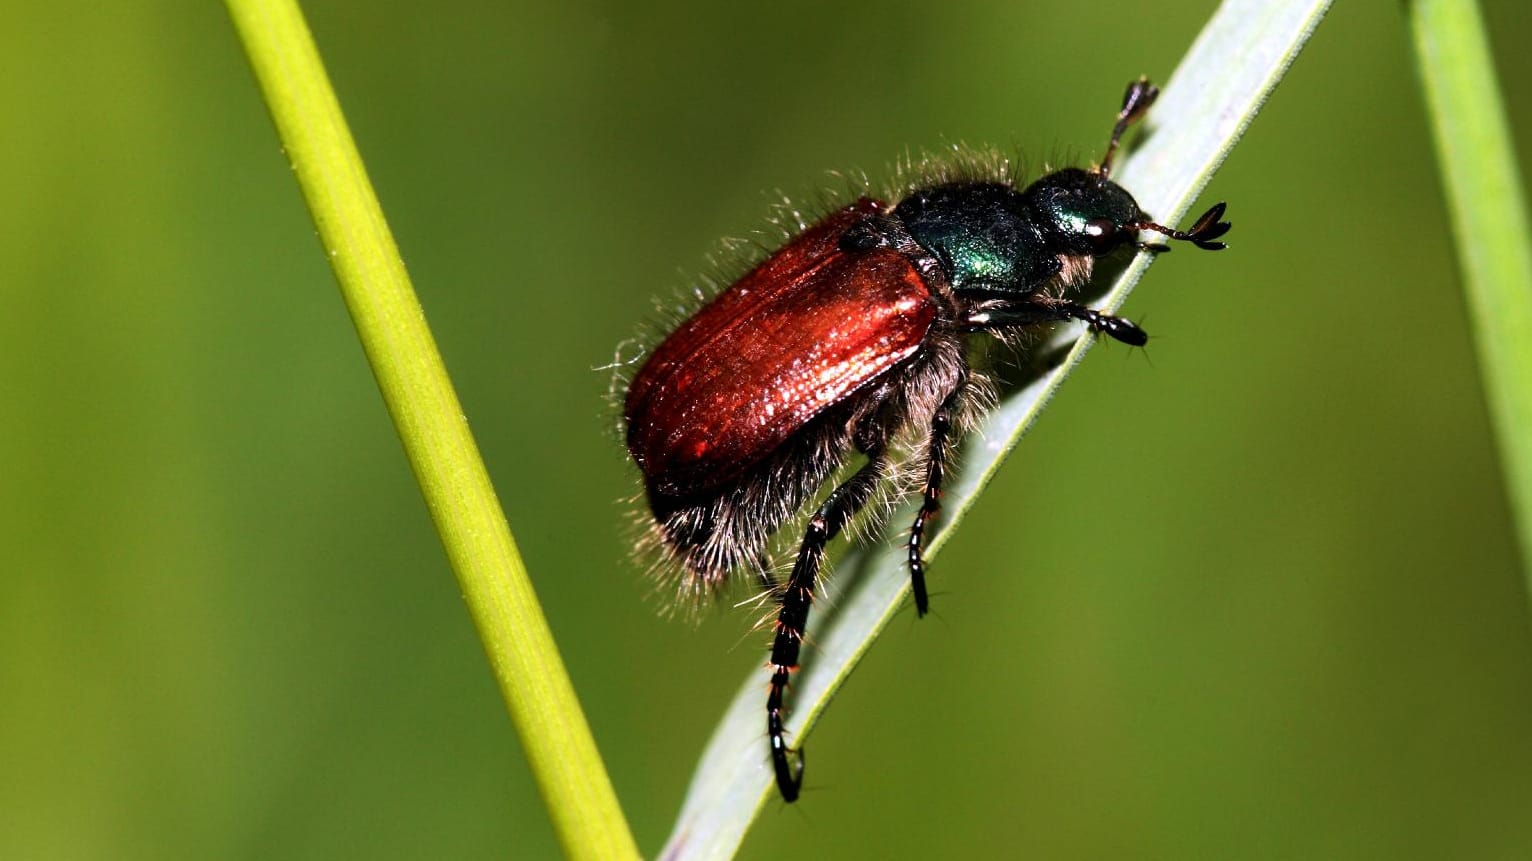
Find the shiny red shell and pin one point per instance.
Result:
(807, 328)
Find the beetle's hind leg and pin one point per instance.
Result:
(827, 521)
(931, 492)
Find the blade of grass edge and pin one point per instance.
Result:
(1208, 102)
(1490, 229)
(424, 407)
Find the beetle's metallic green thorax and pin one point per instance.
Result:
(981, 234)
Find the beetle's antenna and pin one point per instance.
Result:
(1203, 234)
(1135, 102)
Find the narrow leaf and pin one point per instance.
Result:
(1489, 226)
(424, 407)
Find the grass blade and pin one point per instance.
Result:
(441, 450)
(1206, 105)
(1489, 226)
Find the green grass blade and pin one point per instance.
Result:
(1205, 107)
(425, 409)
(1489, 226)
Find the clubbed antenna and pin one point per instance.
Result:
(1135, 102)
(1203, 234)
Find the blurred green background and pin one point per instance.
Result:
(1257, 599)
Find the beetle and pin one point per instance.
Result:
(850, 334)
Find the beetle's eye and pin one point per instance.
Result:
(1101, 233)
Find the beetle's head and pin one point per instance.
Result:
(1082, 212)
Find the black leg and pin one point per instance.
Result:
(931, 496)
(1025, 314)
(839, 507)
(1135, 103)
